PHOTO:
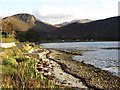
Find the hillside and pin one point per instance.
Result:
(100, 30)
(22, 22)
(26, 27)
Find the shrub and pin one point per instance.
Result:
(20, 72)
(8, 40)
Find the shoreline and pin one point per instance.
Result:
(55, 72)
(61, 70)
(93, 77)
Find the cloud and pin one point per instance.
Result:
(52, 18)
(52, 14)
(110, 7)
(119, 8)
(57, 14)
(73, 9)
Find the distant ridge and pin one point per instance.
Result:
(27, 27)
(99, 30)
(73, 21)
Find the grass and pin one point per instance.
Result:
(8, 40)
(20, 71)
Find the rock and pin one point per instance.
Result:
(40, 55)
(45, 60)
(63, 82)
(45, 74)
(69, 83)
(51, 66)
(45, 64)
(61, 73)
(46, 69)
(27, 57)
(31, 50)
(40, 68)
(40, 50)
(42, 72)
(37, 60)
(39, 65)
(49, 73)
(58, 58)
(51, 77)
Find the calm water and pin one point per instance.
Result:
(100, 54)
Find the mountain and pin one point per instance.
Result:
(99, 30)
(73, 21)
(26, 27)
(22, 22)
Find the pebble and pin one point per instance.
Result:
(44, 66)
(37, 60)
(45, 74)
(61, 73)
(46, 70)
(53, 71)
(63, 82)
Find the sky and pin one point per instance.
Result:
(58, 11)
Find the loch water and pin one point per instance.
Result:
(104, 55)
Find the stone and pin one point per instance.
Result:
(63, 82)
(40, 68)
(45, 74)
(46, 69)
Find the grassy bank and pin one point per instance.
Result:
(8, 40)
(18, 68)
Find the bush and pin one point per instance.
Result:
(8, 40)
(20, 72)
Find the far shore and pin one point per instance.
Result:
(62, 41)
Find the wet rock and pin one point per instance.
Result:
(69, 83)
(63, 82)
(61, 73)
(58, 58)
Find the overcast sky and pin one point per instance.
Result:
(57, 11)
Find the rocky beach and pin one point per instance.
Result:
(55, 73)
(59, 67)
